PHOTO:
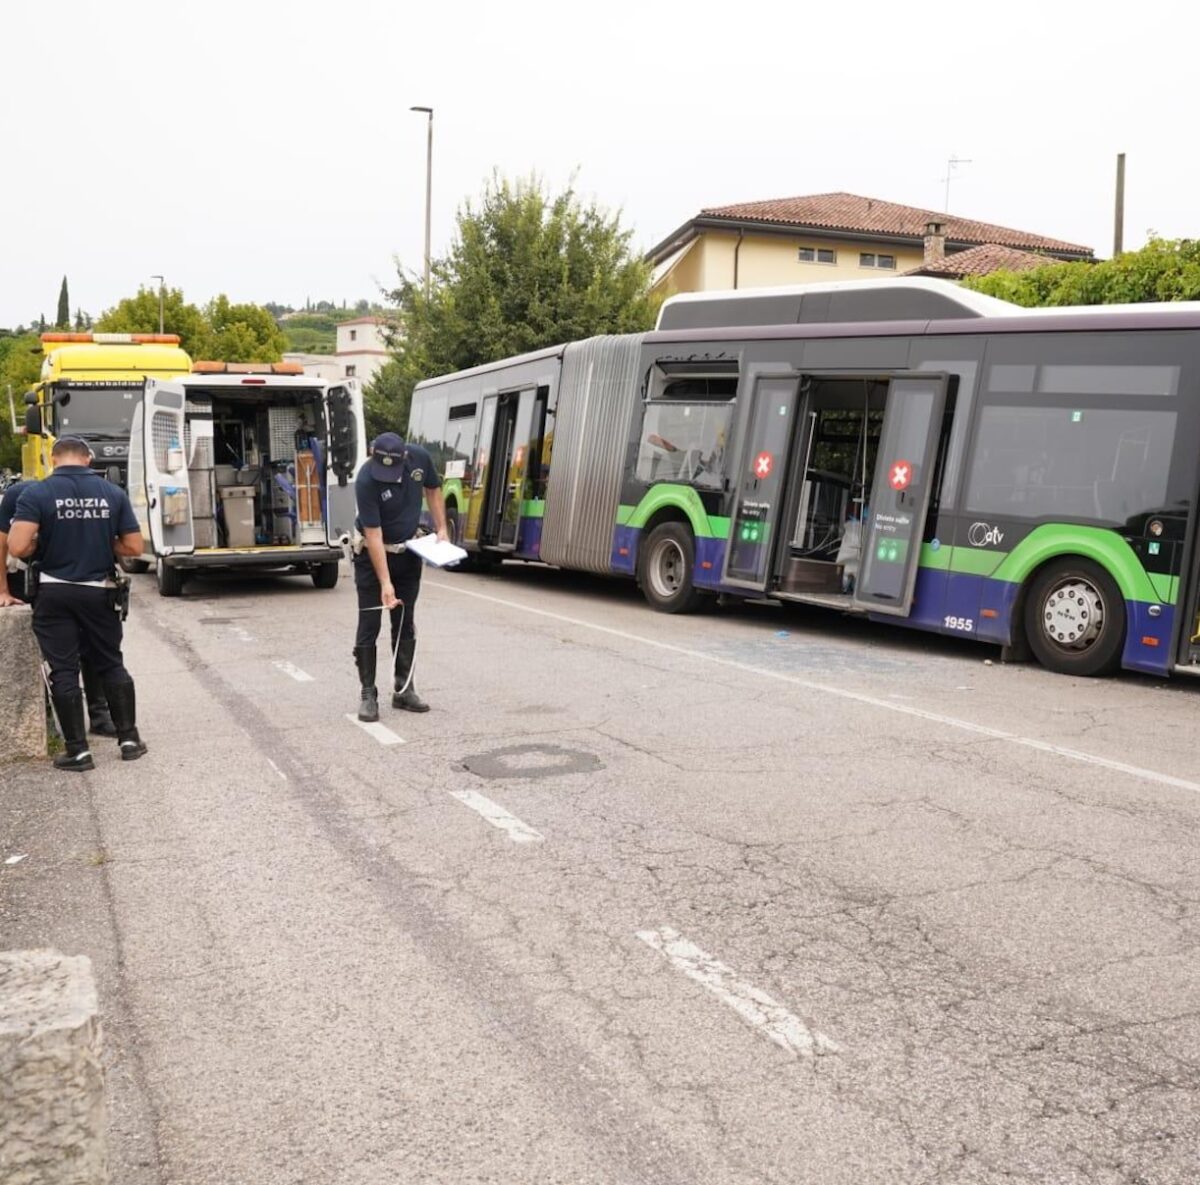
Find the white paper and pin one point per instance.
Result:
(433, 551)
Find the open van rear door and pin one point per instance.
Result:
(158, 476)
(903, 485)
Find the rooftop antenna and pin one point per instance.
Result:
(951, 165)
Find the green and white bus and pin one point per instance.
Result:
(906, 450)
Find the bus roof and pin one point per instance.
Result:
(489, 367)
(833, 301)
(1180, 315)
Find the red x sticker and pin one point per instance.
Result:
(901, 475)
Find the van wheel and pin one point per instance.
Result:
(666, 561)
(325, 575)
(134, 567)
(170, 580)
(1075, 618)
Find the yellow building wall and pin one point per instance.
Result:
(768, 261)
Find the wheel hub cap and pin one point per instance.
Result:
(1073, 615)
(667, 569)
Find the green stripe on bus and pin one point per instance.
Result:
(1104, 547)
(670, 496)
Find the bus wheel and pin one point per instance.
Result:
(665, 565)
(1075, 618)
(132, 566)
(170, 580)
(325, 575)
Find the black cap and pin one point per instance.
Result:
(71, 444)
(387, 457)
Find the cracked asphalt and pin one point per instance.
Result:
(317, 966)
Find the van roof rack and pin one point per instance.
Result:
(215, 367)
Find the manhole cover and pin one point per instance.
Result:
(532, 761)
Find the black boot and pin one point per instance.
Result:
(69, 710)
(123, 703)
(99, 717)
(368, 708)
(405, 695)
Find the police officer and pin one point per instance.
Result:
(74, 523)
(388, 492)
(12, 592)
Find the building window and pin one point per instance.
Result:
(350, 371)
(354, 335)
(870, 259)
(818, 255)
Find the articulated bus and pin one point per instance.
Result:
(905, 450)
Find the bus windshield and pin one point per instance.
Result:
(101, 411)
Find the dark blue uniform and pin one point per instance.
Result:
(78, 515)
(8, 507)
(98, 713)
(389, 490)
(395, 507)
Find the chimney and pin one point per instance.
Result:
(935, 242)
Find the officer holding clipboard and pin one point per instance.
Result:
(388, 491)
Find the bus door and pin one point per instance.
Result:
(905, 470)
(158, 477)
(760, 480)
(507, 464)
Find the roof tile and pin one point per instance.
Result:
(850, 212)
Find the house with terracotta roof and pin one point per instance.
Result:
(839, 236)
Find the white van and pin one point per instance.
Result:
(247, 466)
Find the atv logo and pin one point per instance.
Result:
(984, 535)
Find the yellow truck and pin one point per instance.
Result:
(91, 384)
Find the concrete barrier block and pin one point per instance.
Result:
(23, 704)
(52, 1113)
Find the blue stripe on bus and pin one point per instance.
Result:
(939, 595)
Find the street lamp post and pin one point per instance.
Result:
(160, 301)
(428, 111)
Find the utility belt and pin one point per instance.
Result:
(358, 545)
(118, 594)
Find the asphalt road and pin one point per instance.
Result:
(753, 896)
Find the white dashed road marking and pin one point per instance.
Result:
(997, 734)
(241, 634)
(755, 1007)
(380, 732)
(295, 672)
(277, 769)
(495, 814)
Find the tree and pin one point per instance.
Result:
(1164, 269)
(20, 368)
(221, 330)
(243, 332)
(139, 314)
(63, 319)
(526, 269)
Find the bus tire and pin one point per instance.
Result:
(325, 575)
(1075, 618)
(170, 580)
(666, 560)
(132, 566)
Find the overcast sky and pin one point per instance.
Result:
(267, 150)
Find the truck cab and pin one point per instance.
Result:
(246, 466)
(89, 386)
